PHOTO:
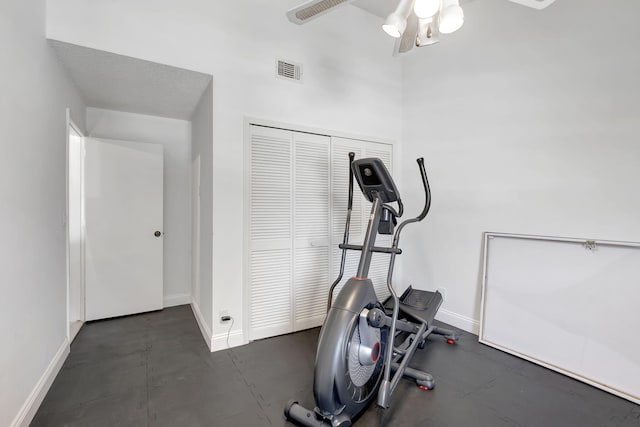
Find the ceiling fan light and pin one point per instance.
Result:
(394, 25)
(426, 8)
(396, 22)
(451, 17)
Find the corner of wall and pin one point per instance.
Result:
(227, 340)
(459, 321)
(202, 324)
(176, 299)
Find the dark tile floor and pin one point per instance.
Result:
(154, 370)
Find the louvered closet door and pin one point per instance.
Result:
(297, 203)
(340, 148)
(270, 222)
(311, 229)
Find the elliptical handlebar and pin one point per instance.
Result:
(427, 201)
(427, 190)
(352, 156)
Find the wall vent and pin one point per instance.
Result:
(288, 70)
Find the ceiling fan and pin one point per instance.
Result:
(413, 22)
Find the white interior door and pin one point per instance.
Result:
(123, 212)
(269, 228)
(288, 230)
(310, 229)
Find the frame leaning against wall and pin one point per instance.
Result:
(566, 304)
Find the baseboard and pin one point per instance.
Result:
(202, 324)
(176, 299)
(459, 321)
(35, 398)
(236, 338)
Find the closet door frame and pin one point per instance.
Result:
(248, 122)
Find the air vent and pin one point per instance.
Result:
(288, 70)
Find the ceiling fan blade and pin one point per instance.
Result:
(408, 39)
(313, 9)
(536, 4)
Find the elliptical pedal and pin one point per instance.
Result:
(419, 299)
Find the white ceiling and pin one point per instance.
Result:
(383, 8)
(115, 82)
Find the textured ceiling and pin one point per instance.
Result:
(121, 83)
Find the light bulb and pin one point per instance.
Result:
(426, 8)
(451, 17)
(394, 25)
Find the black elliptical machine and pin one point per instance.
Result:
(365, 345)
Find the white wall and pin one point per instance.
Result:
(33, 324)
(351, 84)
(528, 122)
(202, 134)
(175, 136)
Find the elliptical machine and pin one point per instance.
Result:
(365, 345)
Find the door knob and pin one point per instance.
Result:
(157, 234)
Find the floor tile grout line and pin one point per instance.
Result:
(233, 358)
(148, 382)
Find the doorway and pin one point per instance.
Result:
(75, 229)
(136, 100)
